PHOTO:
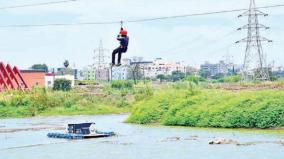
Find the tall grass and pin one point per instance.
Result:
(48, 102)
(116, 97)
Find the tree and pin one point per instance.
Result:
(66, 63)
(135, 68)
(43, 67)
(177, 75)
(194, 79)
(161, 77)
(62, 85)
(218, 76)
(205, 74)
(136, 72)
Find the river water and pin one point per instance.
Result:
(19, 141)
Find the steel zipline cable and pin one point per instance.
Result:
(37, 4)
(137, 20)
(199, 14)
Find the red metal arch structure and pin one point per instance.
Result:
(11, 78)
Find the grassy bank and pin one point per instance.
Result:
(47, 102)
(199, 107)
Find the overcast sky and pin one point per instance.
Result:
(193, 39)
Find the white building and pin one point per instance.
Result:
(102, 74)
(122, 72)
(159, 66)
(88, 73)
(49, 80)
(51, 77)
(147, 69)
(215, 69)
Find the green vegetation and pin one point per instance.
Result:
(174, 77)
(43, 67)
(62, 85)
(117, 97)
(86, 82)
(194, 79)
(122, 84)
(230, 79)
(48, 102)
(191, 102)
(184, 105)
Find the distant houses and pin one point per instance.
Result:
(136, 69)
(210, 70)
(150, 69)
(44, 79)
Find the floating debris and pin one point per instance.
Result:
(223, 141)
(12, 130)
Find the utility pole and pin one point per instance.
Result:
(99, 60)
(254, 66)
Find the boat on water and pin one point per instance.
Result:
(81, 131)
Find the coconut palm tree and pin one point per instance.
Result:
(66, 63)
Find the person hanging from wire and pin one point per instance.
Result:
(124, 41)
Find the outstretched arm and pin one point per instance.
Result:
(119, 38)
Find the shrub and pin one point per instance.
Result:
(194, 79)
(232, 79)
(143, 92)
(62, 85)
(122, 84)
(212, 108)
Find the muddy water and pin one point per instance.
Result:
(26, 139)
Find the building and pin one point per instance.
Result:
(191, 70)
(76, 73)
(102, 74)
(215, 69)
(147, 69)
(41, 79)
(122, 72)
(64, 71)
(278, 72)
(88, 73)
(49, 80)
(92, 73)
(34, 78)
(159, 66)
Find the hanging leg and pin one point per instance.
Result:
(121, 50)
(113, 55)
(119, 58)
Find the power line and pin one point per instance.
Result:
(201, 46)
(137, 20)
(199, 14)
(36, 4)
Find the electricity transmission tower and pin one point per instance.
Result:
(254, 66)
(100, 59)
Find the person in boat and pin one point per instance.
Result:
(124, 40)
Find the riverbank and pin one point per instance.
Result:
(200, 107)
(173, 104)
(41, 102)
